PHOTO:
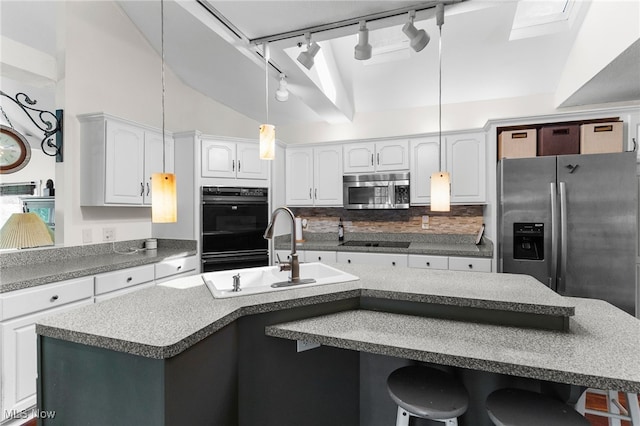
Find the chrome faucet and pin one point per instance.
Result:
(236, 283)
(293, 265)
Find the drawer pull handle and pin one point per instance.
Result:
(179, 267)
(129, 279)
(54, 297)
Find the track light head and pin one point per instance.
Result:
(282, 94)
(418, 39)
(306, 58)
(362, 51)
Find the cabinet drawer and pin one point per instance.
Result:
(319, 256)
(373, 258)
(167, 268)
(125, 278)
(469, 264)
(27, 301)
(428, 262)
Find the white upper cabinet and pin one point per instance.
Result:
(230, 159)
(466, 162)
(366, 157)
(425, 160)
(463, 156)
(118, 159)
(314, 176)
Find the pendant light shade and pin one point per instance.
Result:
(164, 206)
(267, 141)
(440, 192)
(24, 230)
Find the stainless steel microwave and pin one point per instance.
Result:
(376, 191)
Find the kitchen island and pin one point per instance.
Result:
(174, 354)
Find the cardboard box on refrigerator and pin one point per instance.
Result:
(597, 138)
(517, 143)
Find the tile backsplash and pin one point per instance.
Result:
(460, 220)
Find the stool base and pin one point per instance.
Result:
(402, 419)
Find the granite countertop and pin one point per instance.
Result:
(427, 244)
(21, 270)
(162, 321)
(589, 355)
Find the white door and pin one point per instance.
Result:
(327, 176)
(249, 165)
(299, 176)
(19, 359)
(218, 159)
(359, 157)
(392, 156)
(465, 159)
(425, 160)
(124, 164)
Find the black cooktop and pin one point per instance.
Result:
(394, 244)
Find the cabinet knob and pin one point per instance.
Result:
(348, 260)
(179, 267)
(54, 298)
(393, 263)
(428, 263)
(319, 258)
(470, 266)
(129, 279)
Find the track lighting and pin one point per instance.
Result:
(418, 38)
(282, 94)
(306, 58)
(362, 50)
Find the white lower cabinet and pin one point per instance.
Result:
(428, 262)
(470, 264)
(388, 259)
(175, 268)
(21, 310)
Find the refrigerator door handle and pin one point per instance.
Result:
(554, 238)
(563, 238)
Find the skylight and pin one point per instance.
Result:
(535, 18)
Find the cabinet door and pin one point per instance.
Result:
(392, 155)
(425, 160)
(154, 162)
(359, 157)
(19, 359)
(249, 164)
(465, 159)
(327, 176)
(299, 176)
(124, 161)
(218, 159)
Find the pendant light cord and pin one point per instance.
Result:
(266, 79)
(163, 83)
(440, 96)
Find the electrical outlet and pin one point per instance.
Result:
(108, 234)
(87, 235)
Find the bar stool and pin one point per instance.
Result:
(427, 393)
(517, 407)
(615, 411)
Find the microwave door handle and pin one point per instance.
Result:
(392, 194)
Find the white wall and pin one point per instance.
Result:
(111, 68)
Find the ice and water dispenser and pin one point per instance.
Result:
(528, 241)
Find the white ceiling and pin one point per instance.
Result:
(480, 62)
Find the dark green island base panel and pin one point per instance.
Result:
(237, 376)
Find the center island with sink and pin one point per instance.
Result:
(177, 353)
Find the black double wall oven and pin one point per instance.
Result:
(233, 223)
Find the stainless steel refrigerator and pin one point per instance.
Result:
(571, 222)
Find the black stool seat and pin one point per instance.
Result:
(517, 407)
(428, 392)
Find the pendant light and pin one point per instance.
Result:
(440, 181)
(267, 131)
(164, 203)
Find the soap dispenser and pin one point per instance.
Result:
(340, 231)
